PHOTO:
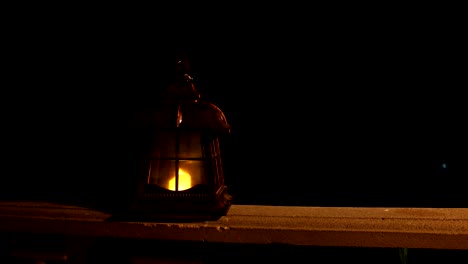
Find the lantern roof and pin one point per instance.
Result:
(183, 106)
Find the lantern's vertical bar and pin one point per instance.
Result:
(204, 150)
(148, 180)
(177, 175)
(177, 147)
(177, 161)
(219, 163)
(214, 168)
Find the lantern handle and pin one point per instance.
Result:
(183, 86)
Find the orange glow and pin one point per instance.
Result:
(185, 181)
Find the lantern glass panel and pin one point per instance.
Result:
(161, 171)
(189, 145)
(177, 175)
(164, 145)
(191, 173)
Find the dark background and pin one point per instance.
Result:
(336, 110)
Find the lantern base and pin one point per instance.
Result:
(179, 209)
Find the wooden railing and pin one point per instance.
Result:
(433, 228)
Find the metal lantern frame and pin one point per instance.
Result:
(181, 139)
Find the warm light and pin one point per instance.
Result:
(185, 181)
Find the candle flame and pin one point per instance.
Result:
(185, 181)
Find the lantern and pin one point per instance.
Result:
(181, 175)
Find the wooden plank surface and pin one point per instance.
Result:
(439, 228)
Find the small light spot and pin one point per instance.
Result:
(444, 165)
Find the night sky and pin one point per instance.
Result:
(333, 113)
